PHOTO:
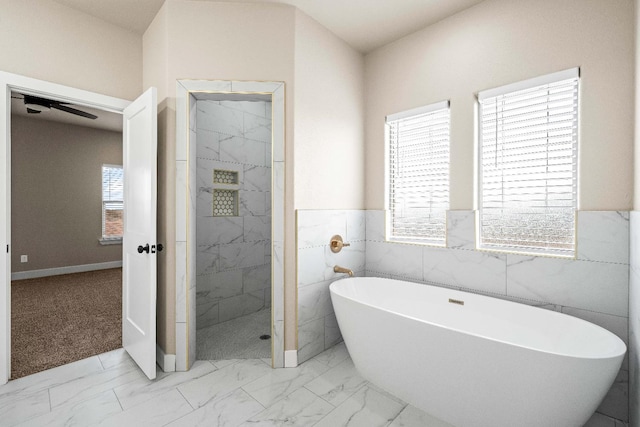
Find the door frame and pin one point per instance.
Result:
(187, 93)
(8, 83)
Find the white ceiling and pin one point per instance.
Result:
(363, 24)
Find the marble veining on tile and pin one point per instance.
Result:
(412, 416)
(136, 392)
(15, 408)
(257, 128)
(83, 387)
(574, 283)
(257, 228)
(324, 391)
(257, 178)
(241, 255)
(234, 307)
(252, 203)
(393, 258)
(356, 226)
(256, 278)
(367, 407)
(242, 150)
(314, 302)
(603, 236)
(50, 378)
(315, 227)
(88, 411)
(332, 335)
(375, 224)
(208, 146)
(301, 408)
(333, 356)
(219, 230)
(279, 383)
(461, 230)
(207, 259)
(214, 117)
(337, 384)
(228, 411)
(219, 383)
(483, 271)
(310, 339)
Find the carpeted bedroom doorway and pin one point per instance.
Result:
(60, 319)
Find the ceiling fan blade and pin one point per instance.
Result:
(32, 111)
(73, 111)
(30, 99)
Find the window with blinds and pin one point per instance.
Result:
(112, 202)
(418, 174)
(529, 165)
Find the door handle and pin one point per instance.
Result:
(143, 249)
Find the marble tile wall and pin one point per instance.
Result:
(317, 326)
(634, 319)
(233, 257)
(594, 286)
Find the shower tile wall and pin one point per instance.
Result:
(233, 260)
(594, 287)
(317, 326)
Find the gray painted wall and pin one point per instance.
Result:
(56, 195)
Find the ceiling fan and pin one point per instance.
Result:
(36, 105)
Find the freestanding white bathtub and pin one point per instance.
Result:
(473, 360)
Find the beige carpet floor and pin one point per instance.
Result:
(60, 319)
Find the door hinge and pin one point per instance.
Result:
(7, 248)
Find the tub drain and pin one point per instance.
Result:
(265, 337)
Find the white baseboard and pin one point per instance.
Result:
(33, 274)
(167, 362)
(290, 358)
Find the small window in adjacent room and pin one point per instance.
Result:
(112, 204)
(418, 174)
(528, 171)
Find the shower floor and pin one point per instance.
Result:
(236, 339)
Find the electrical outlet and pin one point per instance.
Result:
(24, 258)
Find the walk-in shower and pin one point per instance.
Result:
(233, 226)
(223, 264)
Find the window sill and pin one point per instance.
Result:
(420, 242)
(110, 241)
(547, 253)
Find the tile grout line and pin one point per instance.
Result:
(264, 408)
(117, 398)
(102, 364)
(186, 400)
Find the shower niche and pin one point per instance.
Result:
(225, 193)
(233, 136)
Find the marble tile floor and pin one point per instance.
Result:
(236, 339)
(109, 390)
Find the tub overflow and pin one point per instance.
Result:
(456, 301)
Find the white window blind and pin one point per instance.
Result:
(418, 174)
(112, 201)
(528, 165)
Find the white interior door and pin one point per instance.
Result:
(139, 241)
